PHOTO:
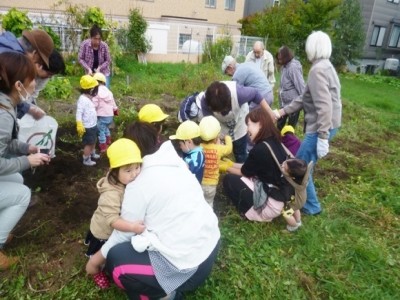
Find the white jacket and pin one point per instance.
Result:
(167, 196)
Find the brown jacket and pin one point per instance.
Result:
(108, 208)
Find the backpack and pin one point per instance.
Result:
(188, 109)
(300, 194)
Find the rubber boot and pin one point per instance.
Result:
(108, 140)
(103, 147)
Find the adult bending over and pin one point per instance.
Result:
(17, 81)
(229, 103)
(177, 251)
(248, 74)
(94, 55)
(322, 109)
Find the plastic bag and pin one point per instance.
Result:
(41, 133)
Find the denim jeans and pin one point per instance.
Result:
(14, 200)
(308, 152)
(240, 149)
(102, 127)
(108, 81)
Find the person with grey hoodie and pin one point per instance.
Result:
(291, 86)
(17, 81)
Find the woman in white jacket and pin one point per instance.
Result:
(177, 251)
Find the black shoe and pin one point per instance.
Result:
(307, 213)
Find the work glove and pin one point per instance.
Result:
(80, 129)
(322, 147)
(225, 164)
(116, 112)
(276, 114)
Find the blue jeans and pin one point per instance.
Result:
(102, 127)
(308, 152)
(240, 149)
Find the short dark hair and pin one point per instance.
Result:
(267, 126)
(297, 168)
(92, 92)
(95, 30)
(144, 135)
(113, 176)
(285, 54)
(197, 140)
(218, 97)
(15, 66)
(56, 63)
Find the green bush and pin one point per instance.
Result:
(215, 52)
(16, 21)
(57, 88)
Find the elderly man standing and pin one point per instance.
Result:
(264, 60)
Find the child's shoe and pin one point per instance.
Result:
(101, 280)
(94, 155)
(108, 139)
(7, 261)
(103, 147)
(88, 162)
(293, 228)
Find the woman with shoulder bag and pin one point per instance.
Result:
(239, 183)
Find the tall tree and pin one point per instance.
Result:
(348, 35)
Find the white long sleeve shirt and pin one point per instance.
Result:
(167, 196)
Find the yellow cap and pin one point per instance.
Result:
(99, 77)
(209, 128)
(287, 128)
(186, 131)
(88, 82)
(151, 113)
(123, 152)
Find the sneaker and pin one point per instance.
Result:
(101, 280)
(293, 228)
(88, 162)
(94, 155)
(108, 140)
(103, 147)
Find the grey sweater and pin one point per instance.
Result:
(321, 99)
(9, 144)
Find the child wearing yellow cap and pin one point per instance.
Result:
(210, 129)
(125, 161)
(86, 119)
(290, 140)
(188, 136)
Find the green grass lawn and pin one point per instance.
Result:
(350, 251)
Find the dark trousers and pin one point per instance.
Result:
(132, 271)
(292, 119)
(239, 193)
(240, 149)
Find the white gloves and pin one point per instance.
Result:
(322, 147)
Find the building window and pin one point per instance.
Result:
(211, 3)
(276, 3)
(183, 37)
(230, 4)
(209, 38)
(393, 1)
(377, 36)
(394, 40)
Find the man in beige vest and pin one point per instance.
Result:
(264, 60)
